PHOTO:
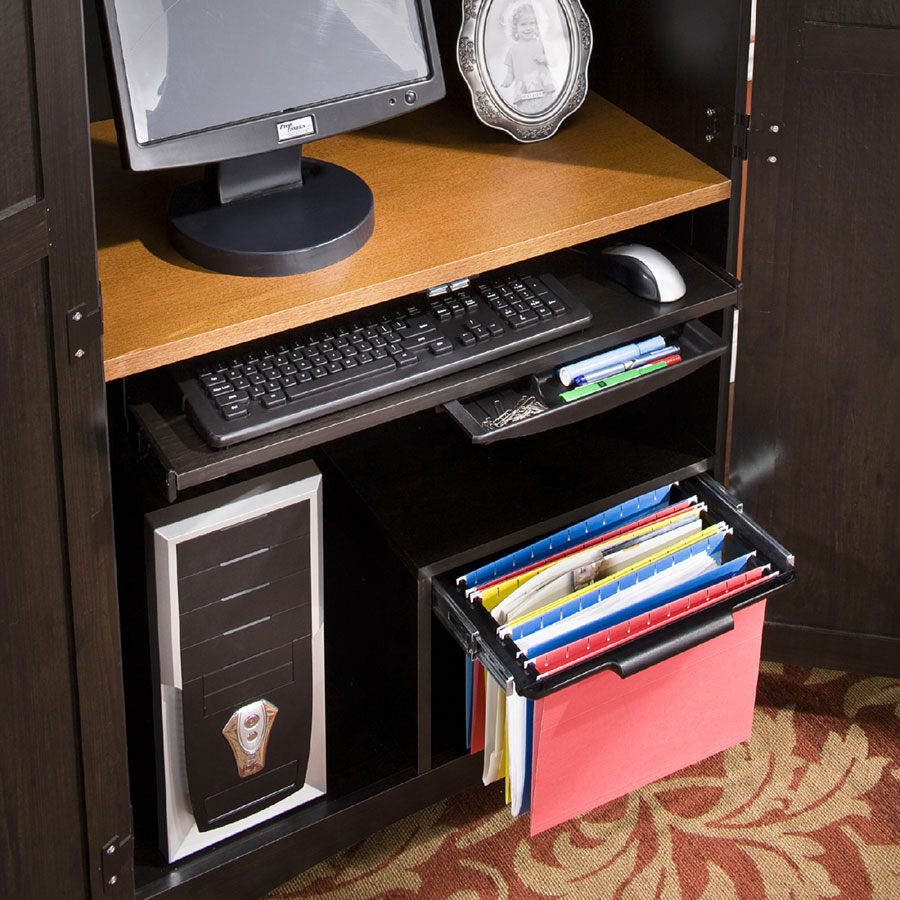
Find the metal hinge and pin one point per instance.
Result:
(757, 136)
(116, 860)
(439, 290)
(84, 326)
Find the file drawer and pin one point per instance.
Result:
(634, 701)
(474, 629)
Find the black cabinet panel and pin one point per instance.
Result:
(19, 175)
(816, 418)
(40, 781)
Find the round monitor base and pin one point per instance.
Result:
(287, 232)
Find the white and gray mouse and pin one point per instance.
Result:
(644, 271)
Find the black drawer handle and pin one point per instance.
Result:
(669, 642)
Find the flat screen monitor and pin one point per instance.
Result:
(241, 86)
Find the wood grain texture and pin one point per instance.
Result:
(452, 198)
(23, 236)
(19, 175)
(84, 504)
(880, 13)
(40, 783)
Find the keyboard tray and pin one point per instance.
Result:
(260, 388)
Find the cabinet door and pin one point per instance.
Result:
(63, 764)
(817, 422)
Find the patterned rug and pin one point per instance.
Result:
(808, 808)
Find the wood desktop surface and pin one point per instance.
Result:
(452, 198)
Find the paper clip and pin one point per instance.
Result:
(524, 408)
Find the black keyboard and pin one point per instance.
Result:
(296, 376)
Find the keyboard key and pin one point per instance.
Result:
(419, 341)
(232, 397)
(523, 320)
(235, 411)
(406, 359)
(273, 398)
(440, 347)
(420, 324)
(212, 379)
(302, 390)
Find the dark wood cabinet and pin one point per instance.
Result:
(63, 769)
(816, 418)
(662, 142)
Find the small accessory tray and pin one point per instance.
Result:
(532, 405)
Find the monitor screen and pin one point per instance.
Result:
(201, 82)
(180, 70)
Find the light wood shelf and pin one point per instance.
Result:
(452, 198)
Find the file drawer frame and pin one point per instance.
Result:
(474, 629)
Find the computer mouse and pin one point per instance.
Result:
(644, 271)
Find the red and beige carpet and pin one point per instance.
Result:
(808, 808)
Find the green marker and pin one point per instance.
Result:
(612, 381)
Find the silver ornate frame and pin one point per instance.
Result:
(490, 105)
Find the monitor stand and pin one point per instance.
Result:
(271, 214)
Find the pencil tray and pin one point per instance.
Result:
(533, 404)
(647, 644)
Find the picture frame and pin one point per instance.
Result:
(525, 62)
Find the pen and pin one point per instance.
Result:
(600, 374)
(570, 371)
(586, 389)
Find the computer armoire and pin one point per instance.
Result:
(803, 413)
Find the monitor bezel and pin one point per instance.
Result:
(260, 134)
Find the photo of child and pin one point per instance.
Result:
(525, 62)
(527, 71)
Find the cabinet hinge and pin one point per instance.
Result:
(757, 136)
(116, 858)
(84, 326)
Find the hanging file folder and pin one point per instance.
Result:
(626, 679)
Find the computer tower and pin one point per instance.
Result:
(236, 607)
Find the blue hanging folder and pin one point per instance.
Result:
(572, 536)
(602, 622)
(710, 545)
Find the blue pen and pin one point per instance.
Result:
(570, 371)
(607, 371)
